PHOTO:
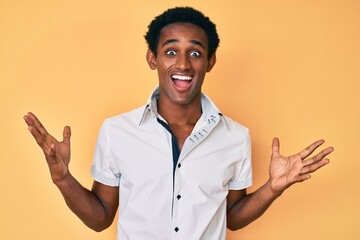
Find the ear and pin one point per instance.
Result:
(212, 62)
(150, 58)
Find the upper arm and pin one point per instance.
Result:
(109, 198)
(234, 196)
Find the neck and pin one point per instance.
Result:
(180, 114)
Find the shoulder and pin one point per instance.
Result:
(132, 117)
(234, 126)
(235, 133)
(118, 125)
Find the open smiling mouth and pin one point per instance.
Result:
(181, 81)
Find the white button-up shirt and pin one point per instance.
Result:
(158, 199)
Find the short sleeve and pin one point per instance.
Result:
(243, 170)
(104, 169)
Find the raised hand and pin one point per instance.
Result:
(285, 171)
(57, 153)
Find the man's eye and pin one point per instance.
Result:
(195, 54)
(170, 52)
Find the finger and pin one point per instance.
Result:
(275, 148)
(28, 120)
(40, 140)
(310, 149)
(302, 178)
(33, 127)
(67, 135)
(314, 167)
(37, 124)
(30, 124)
(319, 156)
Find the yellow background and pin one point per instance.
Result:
(285, 68)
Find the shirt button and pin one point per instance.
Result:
(178, 197)
(176, 229)
(179, 165)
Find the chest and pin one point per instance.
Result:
(181, 133)
(148, 160)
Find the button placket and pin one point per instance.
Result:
(176, 198)
(195, 139)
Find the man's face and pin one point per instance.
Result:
(181, 62)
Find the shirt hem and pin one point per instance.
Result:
(240, 185)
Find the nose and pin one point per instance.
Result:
(183, 62)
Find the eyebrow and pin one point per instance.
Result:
(176, 41)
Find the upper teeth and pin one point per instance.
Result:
(180, 77)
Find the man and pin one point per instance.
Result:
(179, 167)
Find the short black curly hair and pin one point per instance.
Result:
(182, 15)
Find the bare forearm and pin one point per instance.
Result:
(250, 207)
(84, 204)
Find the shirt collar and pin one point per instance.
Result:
(208, 107)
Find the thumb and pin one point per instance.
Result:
(275, 148)
(67, 135)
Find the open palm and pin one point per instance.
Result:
(57, 153)
(285, 171)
